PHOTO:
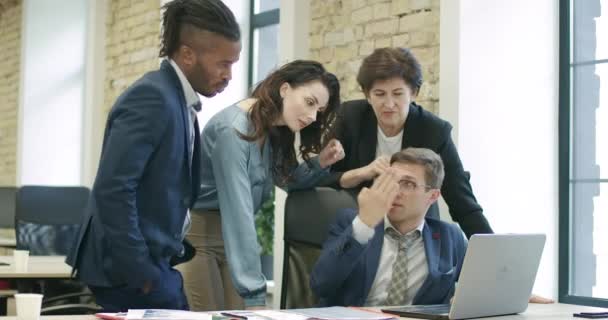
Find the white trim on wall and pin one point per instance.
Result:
(449, 57)
(93, 117)
(293, 44)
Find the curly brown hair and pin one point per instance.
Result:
(268, 108)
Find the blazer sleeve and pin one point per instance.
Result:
(305, 176)
(332, 180)
(457, 191)
(229, 159)
(135, 129)
(339, 256)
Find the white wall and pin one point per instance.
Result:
(94, 116)
(293, 44)
(52, 92)
(507, 88)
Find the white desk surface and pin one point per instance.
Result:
(39, 267)
(8, 242)
(7, 237)
(555, 311)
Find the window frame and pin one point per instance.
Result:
(566, 36)
(258, 21)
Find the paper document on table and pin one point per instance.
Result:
(332, 313)
(279, 315)
(162, 314)
(111, 316)
(341, 313)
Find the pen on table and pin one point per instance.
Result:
(594, 313)
(232, 315)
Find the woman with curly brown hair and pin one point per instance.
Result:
(246, 149)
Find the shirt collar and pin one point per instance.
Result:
(192, 98)
(388, 224)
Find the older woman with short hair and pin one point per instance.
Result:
(387, 121)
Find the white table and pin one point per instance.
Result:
(555, 311)
(39, 267)
(8, 242)
(7, 238)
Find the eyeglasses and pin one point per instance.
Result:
(410, 186)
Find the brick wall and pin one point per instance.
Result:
(132, 44)
(343, 32)
(10, 57)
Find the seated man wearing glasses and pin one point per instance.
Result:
(388, 253)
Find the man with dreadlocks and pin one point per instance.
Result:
(133, 230)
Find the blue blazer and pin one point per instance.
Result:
(143, 188)
(346, 269)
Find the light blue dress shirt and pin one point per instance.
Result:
(236, 179)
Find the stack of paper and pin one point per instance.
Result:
(333, 313)
(341, 313)
(155, 314)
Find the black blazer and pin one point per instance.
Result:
(357, 129)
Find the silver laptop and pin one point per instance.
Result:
(497, 277)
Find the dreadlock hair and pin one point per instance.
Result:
(268, 108)
(209, 15)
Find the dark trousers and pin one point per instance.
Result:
(168, 294)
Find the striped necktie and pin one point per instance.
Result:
(397, 291)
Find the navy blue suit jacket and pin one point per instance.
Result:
(143, 188)
(346, 269)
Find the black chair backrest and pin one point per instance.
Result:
(47, 218)
(307, 218)
(7, 207)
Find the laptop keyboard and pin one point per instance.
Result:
(428, 309)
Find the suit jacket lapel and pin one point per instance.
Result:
(432, 249)
(373, 258)
(368, 137)
(191, 149)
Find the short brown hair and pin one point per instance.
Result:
(432, 163)
(387, 63)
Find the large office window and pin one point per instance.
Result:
(583, 152)
(264, 50)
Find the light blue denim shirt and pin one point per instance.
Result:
(236, 179)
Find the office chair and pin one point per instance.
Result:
(47, 220)
(307, 217)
